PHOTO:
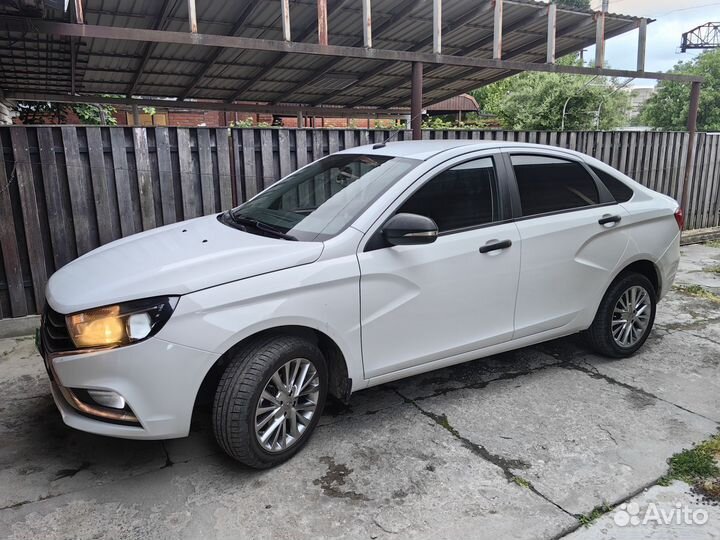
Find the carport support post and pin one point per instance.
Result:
(416, 101)
(692, 130)
(322, 16)
(192, 16)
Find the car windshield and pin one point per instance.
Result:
(321, 200)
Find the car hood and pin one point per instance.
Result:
(171, 260)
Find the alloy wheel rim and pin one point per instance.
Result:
(287, 405)
(631, 316)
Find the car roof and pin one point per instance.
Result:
(426, 149)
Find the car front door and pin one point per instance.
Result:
(429, 302)
(572, 235)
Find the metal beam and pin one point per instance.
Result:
(210, 61)
(79, 12)
(551, 30)
(497, 29)
(322, 22)
(160, 19)
(599, 39)
(437, 26)
(642, 43)
(288, 110)
(192, 16)
(416, 101)
(367, 23)
(285, 12)
(472, 47)
(275, 61)
(320, 72)
(451, 26)
(239, 43)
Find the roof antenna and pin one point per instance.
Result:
(393, 134)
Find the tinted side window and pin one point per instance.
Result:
(619, 190)
(463, 196)
(549, 184)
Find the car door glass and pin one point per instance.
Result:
(460, 197)
(548, 184)
(617, 188)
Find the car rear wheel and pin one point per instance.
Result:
(269, 400)
(625, 316)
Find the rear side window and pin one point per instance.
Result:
(620, 191)
(549, 184)
(460, 197)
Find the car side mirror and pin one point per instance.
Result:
(410, 230)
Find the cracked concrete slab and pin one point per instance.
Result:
(581, 440)
(362, 478)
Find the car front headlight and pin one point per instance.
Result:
(120, 324)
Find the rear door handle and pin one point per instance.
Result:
(496, 246)
(608, 219)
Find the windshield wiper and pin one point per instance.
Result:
(242, 220)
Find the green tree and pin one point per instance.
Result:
(579, 4)
(668, 108)
(534, 101)
(95, 114)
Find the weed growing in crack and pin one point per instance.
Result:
(698, 292)
(697, 466)
(520, 481)
(587, 519)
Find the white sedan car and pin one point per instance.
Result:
(367, 266)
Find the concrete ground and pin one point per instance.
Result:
(519, 445)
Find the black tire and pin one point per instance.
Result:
(239, 391)
(599, 335)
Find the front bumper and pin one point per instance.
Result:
(159, 381)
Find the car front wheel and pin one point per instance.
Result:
(625, 316)
(269, 400)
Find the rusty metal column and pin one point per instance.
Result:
(416, 101)
(692, 130)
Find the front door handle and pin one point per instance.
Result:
(503, 244)
(608, 219)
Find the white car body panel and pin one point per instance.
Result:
(171, 260)
(392, 312)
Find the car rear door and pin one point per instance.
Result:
(428, 302)
(572, 236)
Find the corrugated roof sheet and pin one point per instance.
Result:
(39, 63)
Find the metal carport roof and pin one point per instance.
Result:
(37, 59)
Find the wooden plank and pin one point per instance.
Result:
(222, 149)
(710, 162)
(104, 208)
(249, 166)
(144, 178)
(364, 137)
(333, 141)
(660, 162)
(669, 163)
(699, 174)
(348, 139)
(9, 246)
(165, 175)
(631, 156)
(679, 180)
(207, 180)
(191, 204)
(318, 146)
(714, 218)
(286, 166)
(266, 158)
(59, 218)
(79, 191)
(31, 215)
(301, 154)
(122, 182)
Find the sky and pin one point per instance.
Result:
(673, 17)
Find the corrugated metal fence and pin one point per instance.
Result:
(65, 190)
